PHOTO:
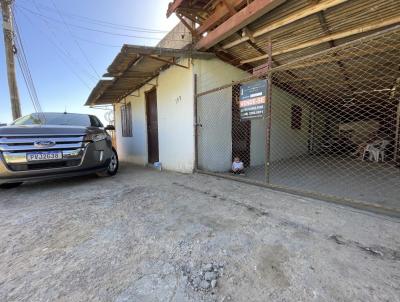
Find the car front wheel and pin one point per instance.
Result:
(112, 166)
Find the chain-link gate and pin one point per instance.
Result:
(334, 127)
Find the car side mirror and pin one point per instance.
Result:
(110, 127)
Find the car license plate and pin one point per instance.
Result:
(46, 155)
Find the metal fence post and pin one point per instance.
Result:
(336, 134)
(269, 114)
(195, 125)
(397, 135)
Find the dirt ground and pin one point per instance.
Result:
(146, 235)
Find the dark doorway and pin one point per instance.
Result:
(152, 126)
(241, 131)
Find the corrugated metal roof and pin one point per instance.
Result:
(132, 68)
(295, 23)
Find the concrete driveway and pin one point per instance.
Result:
(146, 235)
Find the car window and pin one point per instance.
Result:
(95, 122)
(59, 119)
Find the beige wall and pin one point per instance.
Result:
(175, 121)
(177, 38)
(285, 141)
(133, 149)
(175, 118)
(215, 73)
(175, 102)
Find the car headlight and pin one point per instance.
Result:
(95, 137)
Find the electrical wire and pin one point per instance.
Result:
(97, 43)
(70, 59)
(105, 23)
(64, 49)
(99, 30)
(76, 41)
(60, 51)
(25, 70)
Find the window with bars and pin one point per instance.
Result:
(126, 120)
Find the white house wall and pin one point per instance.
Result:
(257, 142)
(175, 106)
(133, 149)
(285, 141)
(214, 73)
(175, 93)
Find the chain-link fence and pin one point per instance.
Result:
(331, 125)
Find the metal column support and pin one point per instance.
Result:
(269, 114)
(195, 125)
(396, 141)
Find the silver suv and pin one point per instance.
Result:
(43, 146)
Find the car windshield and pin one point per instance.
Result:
(59, 119)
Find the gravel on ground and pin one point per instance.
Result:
(146, 235)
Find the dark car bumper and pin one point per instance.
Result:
(51, 176)
(94, 157)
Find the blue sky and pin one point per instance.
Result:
(63, 76)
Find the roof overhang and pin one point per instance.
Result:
(135, 66)
(238, 31)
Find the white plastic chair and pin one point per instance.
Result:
(377, 151)
(367, 150)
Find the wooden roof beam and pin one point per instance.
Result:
(187, 25)
(193, 14)
(161, 51)
(221, 11)
(326, 29)
(167, 61)
(230, 7)
(295, 16)
(339, 35)
(250, 13)
(173, 6)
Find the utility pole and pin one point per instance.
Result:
(10, 51)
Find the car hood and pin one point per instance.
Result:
(45, 130)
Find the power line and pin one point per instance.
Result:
(24, 66)
(98, 30)
(97, 43)
(64, 49)
(60, 51)
(26, 80)
(76, 41)
(105, 23)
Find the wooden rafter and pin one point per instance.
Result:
(326, 29)
(190, 14)
(245, 30)
(230, 7)
(250, 13)
(297, 15)
(172, 7)
(187, 25)
(339, 35)
(167, 61)
(221, 12)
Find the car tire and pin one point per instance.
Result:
(10, 185)
(112, 167)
